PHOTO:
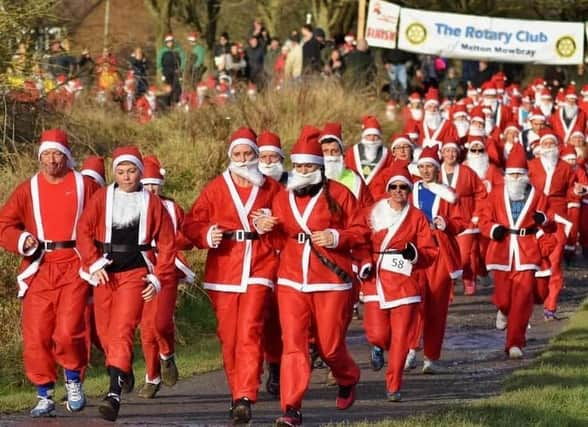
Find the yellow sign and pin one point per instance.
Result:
(416, 33)
(565, 46)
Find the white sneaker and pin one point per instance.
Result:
(76, 399)
(515, 353)
(501, 321)
(410, 362)
(45, 407)
(429, 367)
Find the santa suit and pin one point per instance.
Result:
(446, 131)
(579, 223)
(353, 160)
(146, 109)
(563, 130)
(502, 116)
(471, 193)
(238, 293)
(53, 294)
(157, 321)
(436, 280)
(558, 186)
(391, 298)
(118, 305)
(309, 292)
(515, 259)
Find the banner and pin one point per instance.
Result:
(494, 39)
(382, 22)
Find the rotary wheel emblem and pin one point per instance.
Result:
(565, 46)
(416, 33)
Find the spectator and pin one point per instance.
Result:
(555, 77)
(195, 65)
(335, 65)
(138, 64)
(85, 68)
(58, 62)
(20, 63)
(271, 57)
(485, 71)
(170, 63)
(260, 33)
(106, 56)
(396, 62)
(450, 86)
(429, 71)
(221, 52)
(236, 66)
(579, 75)
(311, 51)
(280, 66)
(294, 60)
(360, 68)
(254, 55)
(320, 36)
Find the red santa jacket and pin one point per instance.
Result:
(353, 162)
(176, 214)
(394, 284)
(491, 178)
(239, 262)
(155, 228)
(300, 267)
(21, 217)
(503, 117)
(145, 109)
(563, 131)
(518, 251)
(431, 137)
(445, 206)
(557, 185)
(470, 194)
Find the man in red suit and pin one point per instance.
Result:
(39, 222)
(499, 114)
(119, 234)
(434, 128)
(225, 220)
(568, 117)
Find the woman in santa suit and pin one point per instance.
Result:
(314, 235)
(401, 242)
(240, 267)
(118, 234)
(157, 324)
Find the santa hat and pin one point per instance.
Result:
(332, 131)
(398, 139)
(153, 173)
(538, 81)
(475, 139)
(243, 135)
(93, 167)
(471, 90)
(370, 126)
(449, 143)
(536, 114)
(152, 90)
(391, 105)
(414, 97)
(307, 148)
(55, 139)
(514, 90)
(202, 88)
(499, 77)
(430, 155)
(269, 141)
(129, 153)
(512, 126)
(516, 161)
(168, 38)
(193, 36)
(577, 132)
(499, 86)
(568, 152)
(532, 140)
(477, 114)
(584, 90)
(489, 89)
(459, 110)
(571, 92)
(545, 94)
(560, 96)
(349, 37)
(61, 79)
(398, 172)
(547, 133)
(432, 97)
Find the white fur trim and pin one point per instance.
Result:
(20, 244)
(424, 160)
(209, 237)
(307, 158)
(95, 176)
(314, 287)
(399, 178)
(443, 224)
(548, 136)
(573, 205)
(273, 149)
(99, 264)
(152, 278)
(154, 181)
(450, 145)
(443, 191)
(127, 158)
(364, 270)
(243, 141)
(335, 234)
(401, 140)
(371, 131)
(53, 145)
(335, 137)
(515, 170)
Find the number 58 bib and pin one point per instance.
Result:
(396, 264)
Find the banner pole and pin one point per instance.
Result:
(361, 19)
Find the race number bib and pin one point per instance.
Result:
(396, 264)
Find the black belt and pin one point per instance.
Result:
(341, 274)
(122, 248)
(240, 235)
(49, 245)
(523, 231)
(390, 252)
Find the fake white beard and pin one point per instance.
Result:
(462, 128)
(371, 149)
(416, 114)
(126, 208)
(493, 104)
(299, 180)
(390, 115)
(445, 114)
(516, 187)
(546, 108)
(432, 120)
(549, 157)
(334, 167)
(479, 163)
(488, 125)
(474, 131)
(248, 171)
(383, 216)
(570, 110)
(274, 170)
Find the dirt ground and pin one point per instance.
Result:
(473, 358)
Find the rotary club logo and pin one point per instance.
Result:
(565, 46)
(416, 33)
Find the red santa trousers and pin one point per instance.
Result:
(390, 329)
(272, 333)
(239, 328)
(118, 306)
(158, 328)
(53, 322)
(514, 296)
(556, 279)
(468, 246)
(436, 285)
(583, 226)
(328, 312)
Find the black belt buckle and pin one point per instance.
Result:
(240, 235)
(522, 232)
(302, 238)
(48, 245)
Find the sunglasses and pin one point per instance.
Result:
(477, 150)
(403, 187)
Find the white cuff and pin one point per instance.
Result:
(21, 242)
(335, 234)
(259, 230)
(99, 264)
(573, 205)
(416, 251)
(364, 272)
(152, 278)
(443, 225)
(475, 220)
(209, 237)
(545, 215)
(492, 230)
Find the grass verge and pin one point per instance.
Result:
(551, 392)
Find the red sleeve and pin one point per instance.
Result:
(355, 233)
(12, 221)
(165, 241)
(454, 219)
(349, 160)
(86, 231)
(487, 214)
(197, 222)
(480, 194)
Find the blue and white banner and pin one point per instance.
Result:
(494, 39)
